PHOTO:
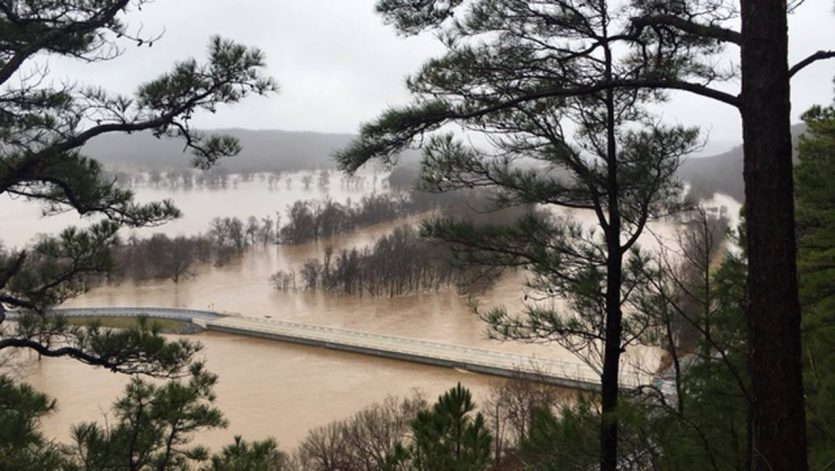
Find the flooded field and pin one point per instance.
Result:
(269, 388)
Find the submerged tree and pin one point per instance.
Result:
(42, 126)
(504, 60)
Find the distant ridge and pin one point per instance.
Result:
(721, 173)
(263, 150)
(276, 150)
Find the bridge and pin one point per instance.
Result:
(572, 375)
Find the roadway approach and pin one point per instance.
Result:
(574, 375)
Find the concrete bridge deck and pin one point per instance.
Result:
(573, 375)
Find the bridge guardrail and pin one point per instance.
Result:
(325, 335)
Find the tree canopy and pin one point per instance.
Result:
(536, 81)
(816, 263)
(515, 47)
(43, 123)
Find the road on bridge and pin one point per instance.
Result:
(569, 374)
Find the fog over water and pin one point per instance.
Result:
(241, 197)
(269, 388)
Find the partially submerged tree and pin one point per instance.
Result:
(42, 126)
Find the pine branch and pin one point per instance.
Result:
(45, 40)
(818, 56)
(704, 31)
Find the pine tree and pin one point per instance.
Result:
(153, 428)
(22, 445)
(618, 165)
(672, 43)
(242, 455)
(447, 436)
(814, 174)
(43, 126)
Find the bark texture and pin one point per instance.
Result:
(773, 309)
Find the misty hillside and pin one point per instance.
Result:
(275, 150)
(269, 150)
(721, 173)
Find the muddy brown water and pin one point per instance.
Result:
(268, 388)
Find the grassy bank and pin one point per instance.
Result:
(166, 325)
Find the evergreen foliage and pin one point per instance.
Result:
(22, 445)
(564, 442)
(509, 58)
(43, 124)
(447, 437)
(153, 427)
(705, 423)
(814, 175)
(242, 455)
(521, 74)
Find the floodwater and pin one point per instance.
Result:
(265, 388)
(240, 197)
(268, 388)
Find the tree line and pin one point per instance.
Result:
(313, 220)
(398, 263)
(220, 178)
(161, 257)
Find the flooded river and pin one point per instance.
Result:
(265, 388)
(268, 388)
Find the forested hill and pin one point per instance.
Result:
(275, 150)
(721, 173)
(267, 150)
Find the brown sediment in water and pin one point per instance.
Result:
(269, 388)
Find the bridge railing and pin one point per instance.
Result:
(531, 365)
(156, 312)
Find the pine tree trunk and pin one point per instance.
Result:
(772, 308)
(611, 363)
(614, 280)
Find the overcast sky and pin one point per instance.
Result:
(338, 64)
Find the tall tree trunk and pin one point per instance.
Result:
(772, 308)
(611, 359)
(614, 280)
